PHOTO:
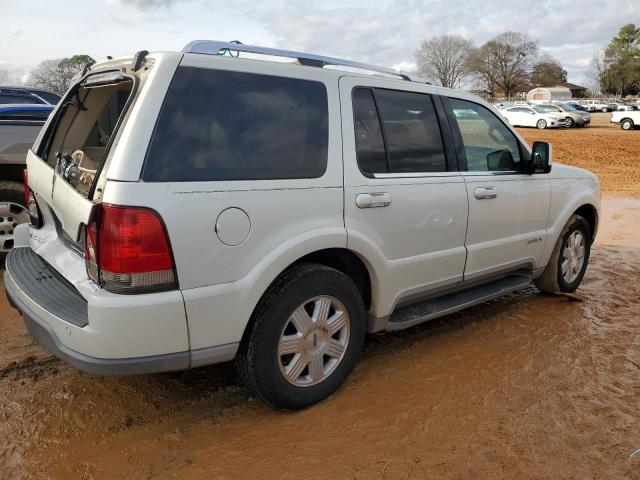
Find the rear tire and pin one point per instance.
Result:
(300, 315)
(569, 258)
(13, 212)
(542, 124)
(626, 124)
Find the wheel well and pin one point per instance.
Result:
(348, 263)
(627, 118)
(590, 214)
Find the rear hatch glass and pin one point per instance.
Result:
(65, 168)
(81, 132)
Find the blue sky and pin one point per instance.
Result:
(382, 32)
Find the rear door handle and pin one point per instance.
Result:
(373, 200)
(484, 193)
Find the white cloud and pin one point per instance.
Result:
(386, 32)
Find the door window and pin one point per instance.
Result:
(488, 144)
(397, 132)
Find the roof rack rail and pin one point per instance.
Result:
(214, 47)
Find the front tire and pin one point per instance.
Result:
(569, 259)
(571, 122)
(13, 212)
(304, 337)
(626, 124)
(542, 124)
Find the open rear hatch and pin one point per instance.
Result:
(66, 167)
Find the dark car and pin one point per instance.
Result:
(19, 127)
(27, 95)
(576, 106)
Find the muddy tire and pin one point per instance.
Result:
(13, 212)
(569, 259)
(542, 124)
(304, 337)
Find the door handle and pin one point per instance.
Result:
(373, 200)
(483, 193)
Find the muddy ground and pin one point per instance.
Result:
(529, 386)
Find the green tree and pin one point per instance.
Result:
(56, 75)
(618, 67)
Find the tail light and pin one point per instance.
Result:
(127, 250)
(30, 202)
(27, 190)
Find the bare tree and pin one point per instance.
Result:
(56, 75)
(504, 62)
(548, 72)
(443, 59)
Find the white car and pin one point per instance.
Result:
(534, 117)
(628, 120)
(194, 207)
(595, 106)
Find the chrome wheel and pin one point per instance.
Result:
(313, 341)
(11, 215)
(573, 253)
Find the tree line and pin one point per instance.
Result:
(509, 62)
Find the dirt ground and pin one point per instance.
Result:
(528, 386)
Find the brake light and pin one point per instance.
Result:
(127, 250)
(27, 190)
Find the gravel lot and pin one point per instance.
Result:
(529, 386)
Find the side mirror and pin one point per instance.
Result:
(541, 157)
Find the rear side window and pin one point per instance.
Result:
(221, 125)
(10, 98)
(372, 157)
(413, 135)
(29, 115)
(396, 132)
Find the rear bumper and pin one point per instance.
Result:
(51, 322)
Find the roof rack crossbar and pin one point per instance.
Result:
(214, 47)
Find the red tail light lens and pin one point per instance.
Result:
(128, 250)
(27, 190)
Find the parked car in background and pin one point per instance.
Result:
(575, 105)
(573, 117)
(595, 106)
(190, 208)
(29, 95)
(621, 106)
(533, 117)
(19, 127)
(628, 120)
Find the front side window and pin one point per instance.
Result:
(488, 144)
(396, 132)
(223, 125)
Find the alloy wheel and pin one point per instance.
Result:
(573, 254)
(313, 341)
(11, 215)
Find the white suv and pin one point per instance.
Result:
(195, 207)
